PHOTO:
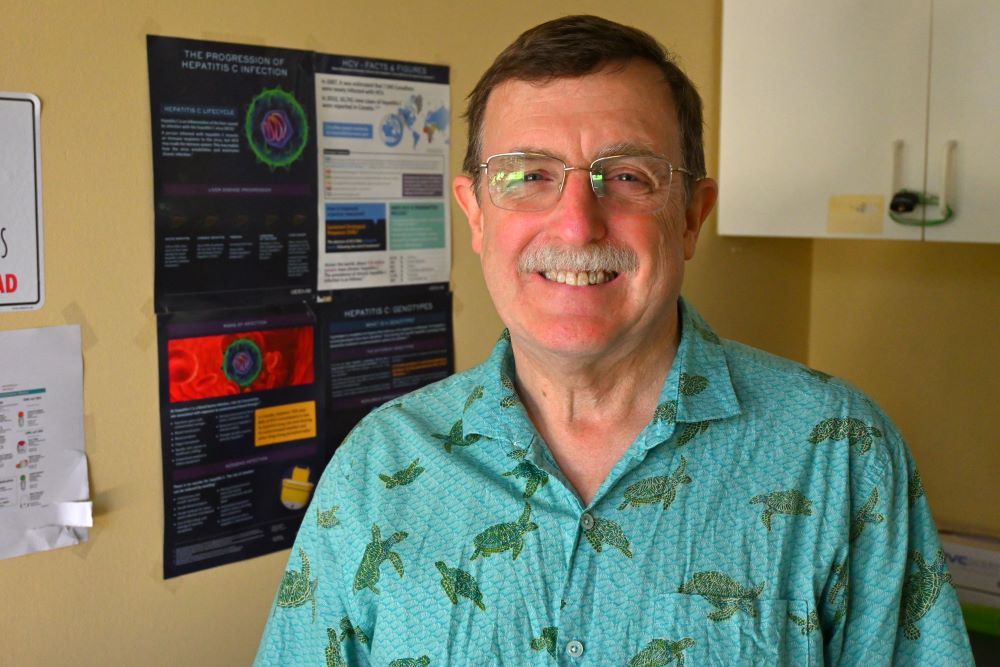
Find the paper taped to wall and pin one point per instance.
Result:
(44, 496)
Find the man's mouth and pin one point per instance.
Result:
(580, 277)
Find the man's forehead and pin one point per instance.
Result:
(632, 104)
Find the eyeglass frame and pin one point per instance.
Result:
(589, 170)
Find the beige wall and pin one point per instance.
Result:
(105, 602)
(917, 326)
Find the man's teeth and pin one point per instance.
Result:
(579, 277)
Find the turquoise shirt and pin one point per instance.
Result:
(768, 514)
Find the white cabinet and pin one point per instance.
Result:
(828, 108)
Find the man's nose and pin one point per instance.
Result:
(579, 217)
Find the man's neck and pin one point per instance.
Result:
(589, 410)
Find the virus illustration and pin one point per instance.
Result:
(276, 128)
(242, 362)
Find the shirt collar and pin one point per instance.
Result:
(698, 388)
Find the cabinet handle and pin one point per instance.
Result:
(947, 184)
(897, 165)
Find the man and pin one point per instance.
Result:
(615, 485)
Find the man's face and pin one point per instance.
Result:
(578, 120)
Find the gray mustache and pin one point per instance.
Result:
(608, 258)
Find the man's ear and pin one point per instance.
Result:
(703, 195)
(465, 193)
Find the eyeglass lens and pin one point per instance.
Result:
(525, 182)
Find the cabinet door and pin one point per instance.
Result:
(814, 95)
(965, 108)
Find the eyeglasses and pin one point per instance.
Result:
(526, 182)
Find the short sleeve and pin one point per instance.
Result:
(311, 621)
(890, 599)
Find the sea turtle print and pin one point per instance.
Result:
(347, 629)
(605, 531)
(724, 593)
(666, 412)
(511, 399)
(334, 658)
(297, 588)
(422, 661)
(839, 589)
(707, 334)
(782, 502)
(404, 476)
(865, 515)
(807, 624)
(659, 652)
(455, 438)
(921, 590)
(376, 553)
(327, 518)
(819, 375)
(518, 453)
(690, 431)
(691, 384)
(915, 488)
(527, 470)
(503, 536)
(659, 489)
(477, 392)
(856, 431)
(546, 641)
(459, 583)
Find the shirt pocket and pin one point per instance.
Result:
(769, 636)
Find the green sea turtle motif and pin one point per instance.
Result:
(707, 334)
(422, 661)
(404, 476)
(659, 652)
(347, 629)
(807, 624)
(327, 518)
(782, 502)
(505, 335)
(511, 399)
(518, 453)
(477, 392)
(915, 487)
(297, 588)
(503, 536)
(691, 384)
(457, 582)
(690, 431)
(865, 515)
(856, 431)
(334, 658)
(605, 531)
(527, 470)
(819, 375)
(921, 590)
(455, 438)
(839, 589)
(376, 553)
(657, 489)
(546, 641)
(666, 412)
(724, 593)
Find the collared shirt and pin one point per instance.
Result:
(767, 514)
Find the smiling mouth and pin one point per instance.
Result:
(579, 278)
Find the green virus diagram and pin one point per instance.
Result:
(276, 128)
(242, 362)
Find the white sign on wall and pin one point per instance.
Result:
(21, 266)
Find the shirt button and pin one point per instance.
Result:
(587, 521)
(574, 649)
